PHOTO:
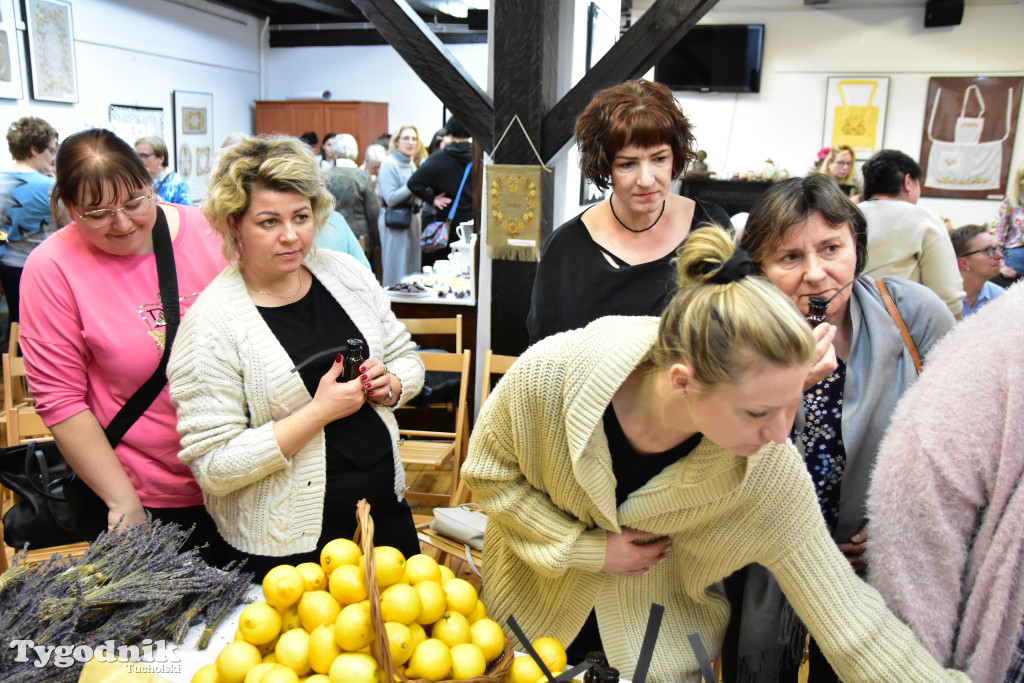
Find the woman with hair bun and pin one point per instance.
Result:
(639, 461)
(615, 258)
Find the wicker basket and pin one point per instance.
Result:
(379, 647)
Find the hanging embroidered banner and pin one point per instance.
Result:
(513, 212)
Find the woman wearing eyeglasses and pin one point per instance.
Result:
(25, 200)
(93, 328)
(838, 164)
(980, 258)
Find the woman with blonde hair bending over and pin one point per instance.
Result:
(639, 461)
(282, 446)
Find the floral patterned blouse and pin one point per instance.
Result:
(824, 452)
(1009, 225)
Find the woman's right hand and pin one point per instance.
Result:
(441, 201)
(825, 362)
(131, 510)
(335, 400)
(633, 552)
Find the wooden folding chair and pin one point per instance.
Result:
(23, 425)
(421, 327)
(438, 449)
(494, 364)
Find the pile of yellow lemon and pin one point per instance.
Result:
(315, 624)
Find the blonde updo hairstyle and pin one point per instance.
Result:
(723, 330)
(278, 163)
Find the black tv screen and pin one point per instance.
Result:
(723, 57)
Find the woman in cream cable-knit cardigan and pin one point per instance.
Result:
(674, 435)
(283, 456)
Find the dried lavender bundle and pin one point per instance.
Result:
(131, 584)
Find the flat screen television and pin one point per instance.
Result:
(715, 57)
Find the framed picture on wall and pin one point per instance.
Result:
(855, 113)
(193, 139)
(10, 60)
(51, 50)
(591, 193)
(969, 127)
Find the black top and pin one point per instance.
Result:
(631, 469)
(576, 285)
(306, 327)
(442, 172)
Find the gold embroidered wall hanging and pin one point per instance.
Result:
(513, 212)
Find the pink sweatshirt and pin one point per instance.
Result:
(92, 333)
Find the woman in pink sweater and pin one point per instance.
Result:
(946, 503)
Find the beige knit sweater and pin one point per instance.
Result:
(539, 465)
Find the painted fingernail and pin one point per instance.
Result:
(367, 385)
(337, 359)
(362, 368)
(370, 391)
(364, 378)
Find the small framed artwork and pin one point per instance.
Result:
(51, 50)
(193, 139)
(591, 193)
(855, 113)
(10, 61)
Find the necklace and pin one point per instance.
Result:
(286, 297)
(612, 206)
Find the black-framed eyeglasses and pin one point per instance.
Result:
(992, 252)
(144, 155)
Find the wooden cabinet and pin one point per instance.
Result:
(364, 120)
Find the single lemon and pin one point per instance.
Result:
(487, 634)
(431, 660)
(290, 619)
(400, 602)
(347, 584)
(523, 670)
(433, 601)
(461, 596)
(355, 667)
(206, 674)
(551, 653)
(478, 613)
(322, 648)
(270, 657)
(446, 573)
(314, 574)
(399, 642)
(451, 629)
(283, 586)
(235, 660)
(278, 673)
(390, 565)
(353, 629)
(419, 634)
(256, 673)
(259, 623)
(422, 568)
(467, 661)
(317, 607)
(293, 651)
(317, 678)
(340, 551)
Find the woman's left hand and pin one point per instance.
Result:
(825, 362)
(376, 381)
(854, 550)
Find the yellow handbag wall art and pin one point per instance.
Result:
(858, 118)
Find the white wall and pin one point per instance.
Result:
(803, 46)
(373, 73)
(135, 52)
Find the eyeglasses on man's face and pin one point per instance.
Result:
(101, 218)
(991, 252)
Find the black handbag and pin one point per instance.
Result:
(398, 217)
(56, 507)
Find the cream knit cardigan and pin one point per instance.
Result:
(539, 465)
(230, 380)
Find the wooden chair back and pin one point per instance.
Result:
(494, 364)
(420, 327)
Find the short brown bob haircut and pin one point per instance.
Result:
(28, 133)
(793, 201)
(639, 112)
(96, 167)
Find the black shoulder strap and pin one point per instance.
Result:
(140, 401)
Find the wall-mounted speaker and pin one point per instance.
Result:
(943, 13)
(477, 19)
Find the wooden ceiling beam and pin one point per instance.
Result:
(637, 50)
(406, 32)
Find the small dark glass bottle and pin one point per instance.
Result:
(353, 359)
(600, 672)
(817, 310)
